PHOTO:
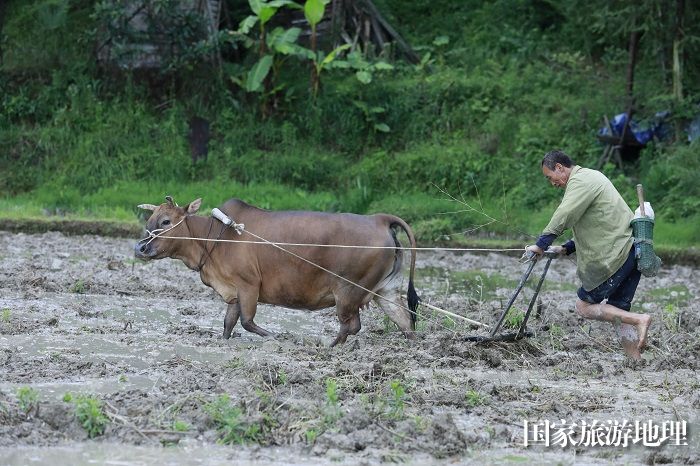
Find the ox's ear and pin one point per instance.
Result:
(147, 206)
(193, 206)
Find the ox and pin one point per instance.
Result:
(246, 273)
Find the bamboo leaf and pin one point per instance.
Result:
(382, 127)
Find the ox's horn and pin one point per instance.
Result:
(147, 206)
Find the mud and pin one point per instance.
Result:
(79, 316)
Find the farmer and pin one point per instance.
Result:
(600, 220)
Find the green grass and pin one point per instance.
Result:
(231, 423)
(90, 414)
(27, 398)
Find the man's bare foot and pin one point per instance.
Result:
(630, 348)
(628, 339)
(642, 329)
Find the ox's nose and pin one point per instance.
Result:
(142, 249)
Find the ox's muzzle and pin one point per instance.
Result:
(144, 250)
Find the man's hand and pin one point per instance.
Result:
(534, 249)
(561, 250)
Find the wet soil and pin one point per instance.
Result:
(79, 316)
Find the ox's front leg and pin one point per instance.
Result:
(232, 313)
(248, 301)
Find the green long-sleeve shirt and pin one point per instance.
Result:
(600, 220)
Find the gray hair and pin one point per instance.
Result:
(554, 157)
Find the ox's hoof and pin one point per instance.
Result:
(230, 334)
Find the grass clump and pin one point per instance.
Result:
(230, 422)
(515, 318)
(28, 398)
(90, 414)
(397, 401)
(332, 409)
(473, 398)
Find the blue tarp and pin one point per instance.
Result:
(643, 133)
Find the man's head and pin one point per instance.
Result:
(556, 166)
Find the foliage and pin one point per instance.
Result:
(397, 401)
(332, 410)
(230, 422)
(515, 318)
(473, 398)
(27, 398)
(500, 83)
(90, 413)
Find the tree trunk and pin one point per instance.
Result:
(633, 46)
(677, 65)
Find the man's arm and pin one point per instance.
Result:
(545, 241)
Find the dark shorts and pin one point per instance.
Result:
(619, 289)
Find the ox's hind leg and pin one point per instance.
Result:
(397, 312)
(248, 301)
(232, 313)
(349, 317)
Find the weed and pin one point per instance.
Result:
(122, 379)
(6, 315)
(420, 423)
(474, 398)
(180, 426)
(448, 323)
(230, 423)
(67, 397)
(311, 436)
(28, 398)
(234, 363)
(78, 287)
(283, 377)
(90, 414)
(332, 411)
(556, 335)
(671, 317)
(397, 401)
(332, 392)
(491, 431)
(389, 326)
(515, 318)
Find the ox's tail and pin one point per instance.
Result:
(412, 296)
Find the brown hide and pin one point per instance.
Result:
(245, 274)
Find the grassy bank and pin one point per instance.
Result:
(436, 219)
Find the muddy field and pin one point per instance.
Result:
(106, 359)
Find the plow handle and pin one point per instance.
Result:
(640, 196)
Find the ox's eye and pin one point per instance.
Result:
(165, 222)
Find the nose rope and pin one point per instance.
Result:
(153, 234)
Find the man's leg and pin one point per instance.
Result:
(631, 327)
